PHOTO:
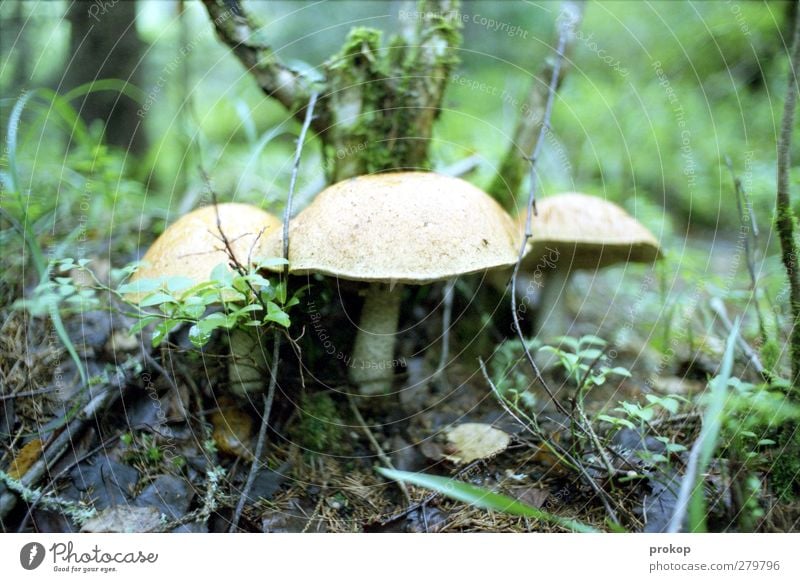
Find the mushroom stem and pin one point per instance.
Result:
(246, 370)
(372, 364)
(551, 319)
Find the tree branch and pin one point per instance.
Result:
(529, 125)
(433, 58)
(240, 31)
(784, 217)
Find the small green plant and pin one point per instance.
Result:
(511, 375)
(582, 360)
(248, 300)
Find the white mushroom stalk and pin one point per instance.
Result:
(373, 364)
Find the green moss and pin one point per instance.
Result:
(785, 473)
(319, 427)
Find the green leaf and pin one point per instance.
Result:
(198, 337)
(157, 298)
(483, 498)
(270, 262)
(142, 323)
(140, 286)
(709, 433)
(162, 330)
(276, 315)
(616, 421)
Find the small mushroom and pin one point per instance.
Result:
(392, 229)
(575, 231)
(191, 247)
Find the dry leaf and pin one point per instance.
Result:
(472, 441)
(233, 429)
(26, 457)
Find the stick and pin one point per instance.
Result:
(566, 30)
(107, 395)
(273, 371)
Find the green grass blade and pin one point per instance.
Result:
(483, 498)
(709, 435)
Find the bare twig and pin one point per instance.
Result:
(376, 446)
(784, 217)
(566, 30)
(749, 226)
(718, 307)
(287, 213)
(273, 370)
(528, 132)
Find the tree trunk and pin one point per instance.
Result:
(378, 103)
(104, 45)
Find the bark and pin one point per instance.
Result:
(106, 46)
(378, 103)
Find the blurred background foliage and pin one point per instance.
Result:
(657, 95)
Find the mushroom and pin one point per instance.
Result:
(575, 231)
(392, 229)
(191, 247)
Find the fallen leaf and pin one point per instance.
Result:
(233, 429)
(123, 519)
(533, 496)
(472, 441)
(26, 457)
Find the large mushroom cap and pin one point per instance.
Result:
(587, 232)
(191, 247)
(404, 227)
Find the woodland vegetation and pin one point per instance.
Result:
(396, 266)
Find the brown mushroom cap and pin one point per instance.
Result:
(404, 227)
(588, 232)
(191, 247)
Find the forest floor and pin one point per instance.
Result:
(168, 451)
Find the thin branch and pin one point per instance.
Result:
(528, 132)
(287, 213)
(273, 370)
(784, 219)
(566, 31)
(240, 31)
(718, 307)
(750, 233)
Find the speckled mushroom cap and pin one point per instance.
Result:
(191, 247)
(588, 233)
(404, 227)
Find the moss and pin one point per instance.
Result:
(785, 473)
(319, 427)
(373, 90)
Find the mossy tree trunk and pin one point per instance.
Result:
(377, 101)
